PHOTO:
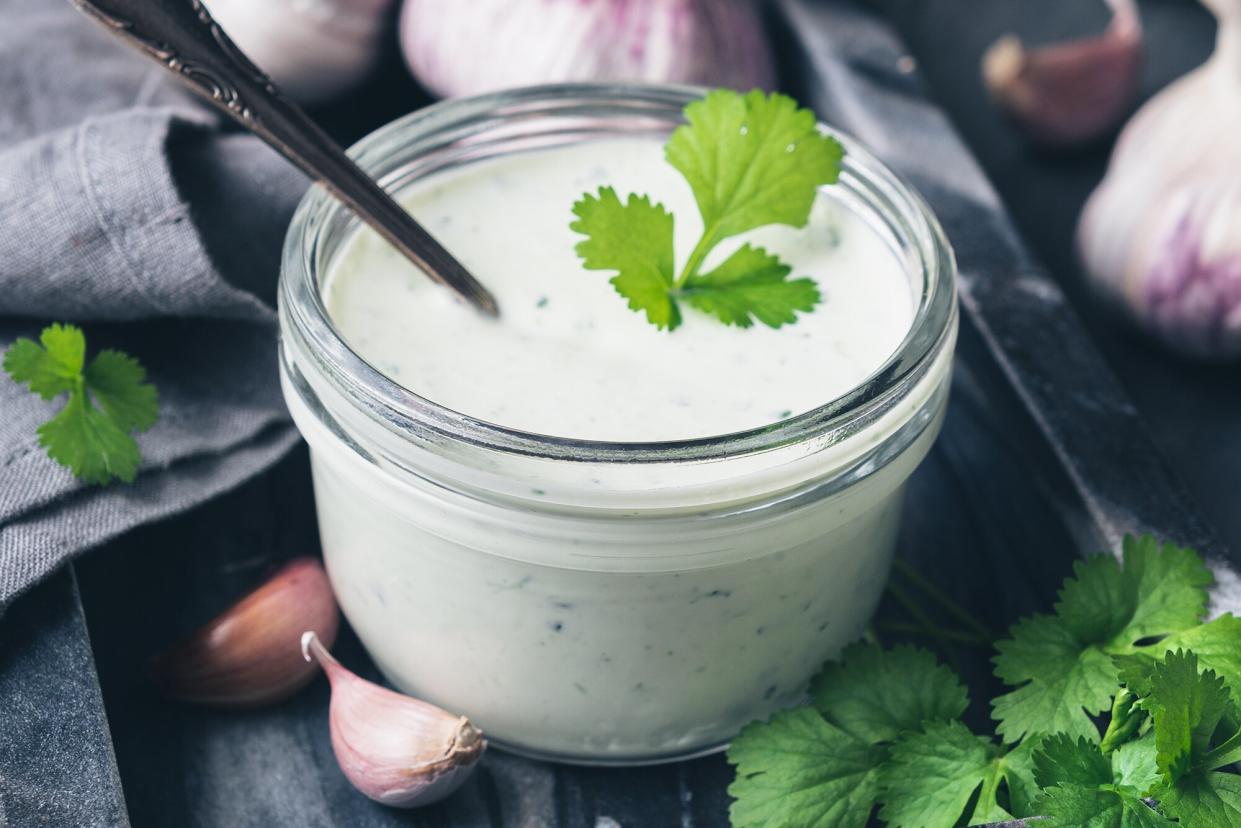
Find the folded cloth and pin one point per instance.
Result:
(128, 208)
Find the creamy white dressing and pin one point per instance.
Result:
(644, 631)
(567, 357)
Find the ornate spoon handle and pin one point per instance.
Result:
(183, 38)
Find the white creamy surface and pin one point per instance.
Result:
(567, 357)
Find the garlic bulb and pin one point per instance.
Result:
(246, 656)
(313, 49)
(1069, 93)
(462, 48)
(397, 750)
(1161, 235)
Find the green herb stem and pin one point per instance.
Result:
(925, 621)
(696, 257)
(988, 794)
(958, 636)
(944, 601)
(1226, 753)
(1124, 722)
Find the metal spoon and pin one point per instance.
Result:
(184, 39)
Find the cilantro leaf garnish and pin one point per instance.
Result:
(933, 775)
(1134, 764)
(1082, 787)
(1062, 664)
(751, 284)
(638, 245)
(1103, 806)
(108, 399)
(1189, 708)
(751, 160)
(1063, 760)
(875, 695)
(1216, 644)
(798, 771)
(887, 723)
(1204, 800)
(849, 735)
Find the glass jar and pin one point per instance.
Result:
(589, 601)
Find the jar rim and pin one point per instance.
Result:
(305, 318)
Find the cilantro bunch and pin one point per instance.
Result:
(108, 399)
(751, 160)
(1124, 713)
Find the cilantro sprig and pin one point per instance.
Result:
(751, 160)
(1116, 720)
(861, 707)
(1062, 665)
(108, 400)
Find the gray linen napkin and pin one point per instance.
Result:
(129, 209)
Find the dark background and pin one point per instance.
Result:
(1192, 410)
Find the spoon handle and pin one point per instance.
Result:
(184, 39)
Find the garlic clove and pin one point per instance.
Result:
(397, 750)
(465, 48)
(314, 51)
(1160, 238)
(1073, 92)
(245, 657)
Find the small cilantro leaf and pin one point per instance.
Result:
(1081, 787)
(799, 771)
(1165, 586)
(751, 284)
(1077, 806)
(863, 703)
(89, 443)
(1058, 700)
(752, 160)
(1187, 707)
(1062, 664)
(633, 238)
(1217, 645)
(117, 381)
(932, 776)
(876, 694)
(1204, 800)
(107, 400)
(1063, 760)
(1134, 764)
(52, 368)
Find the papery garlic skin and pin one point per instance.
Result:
(1161, 236)
(244, 657)
(462, 48)
(314, 50)
(397, 750)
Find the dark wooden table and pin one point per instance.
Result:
(1042, 457)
